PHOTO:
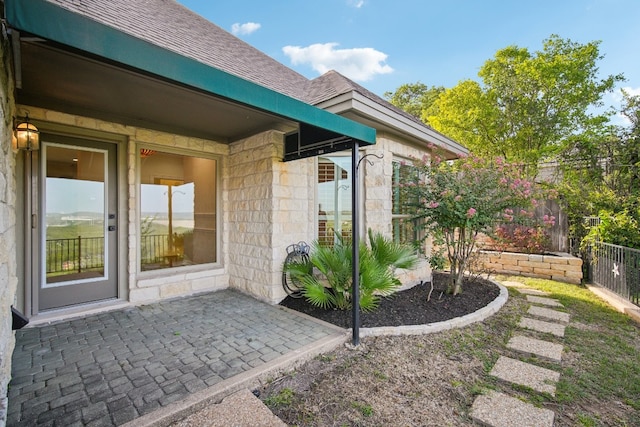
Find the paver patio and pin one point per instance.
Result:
(111, 368)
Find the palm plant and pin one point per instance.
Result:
(328, 284)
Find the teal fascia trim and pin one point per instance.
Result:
(52, 22)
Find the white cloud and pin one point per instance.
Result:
(356, 3)
(360, 64)
(633, 91)
(245, 29)
(615, 99)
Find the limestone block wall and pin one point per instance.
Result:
(561, 266)
(8, 273)
(269, 207)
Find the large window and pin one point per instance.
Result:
(403, 228)
(334, 199)
(177, 210)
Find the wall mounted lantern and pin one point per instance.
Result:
(27, 135)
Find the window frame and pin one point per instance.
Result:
(398, 217)
(218, 210)
(342, 154)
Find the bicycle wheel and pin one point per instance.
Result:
(292, 286)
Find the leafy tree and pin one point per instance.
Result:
(600, 171)
(526, 105)
(456, 201)
(330, 285)
(414, 97)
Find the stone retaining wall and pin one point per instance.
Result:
(558, 266)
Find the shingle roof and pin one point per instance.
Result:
(332, 84)
(172, 26)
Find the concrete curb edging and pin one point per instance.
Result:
(616, 301)
(457, 322)
(177, 411)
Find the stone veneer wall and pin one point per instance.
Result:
(561, 267)
(270, 206)
(8, 273)
(145, 286)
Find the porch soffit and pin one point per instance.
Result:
(84, 67)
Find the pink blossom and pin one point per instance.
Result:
(523, 212)
(457, 198)
(432, 204)
(471, 212)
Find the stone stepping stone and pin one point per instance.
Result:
(528, 291)
(544, 349)
(499, 410)
(548, 313)
(517, 372)
(542, 326)
(544, 301)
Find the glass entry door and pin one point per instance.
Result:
(78, 219)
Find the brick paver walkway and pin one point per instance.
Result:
(110, 368)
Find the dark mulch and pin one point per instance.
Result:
(410, 307)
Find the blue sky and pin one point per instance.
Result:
(383, 44)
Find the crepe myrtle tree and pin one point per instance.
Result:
(455, 201)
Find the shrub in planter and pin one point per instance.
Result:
(327, 277)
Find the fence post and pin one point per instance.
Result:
(79, 254)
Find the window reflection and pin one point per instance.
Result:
(74, 213)
(334, 199)
(178, 210)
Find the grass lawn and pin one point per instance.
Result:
(433, 379)
(600, 379)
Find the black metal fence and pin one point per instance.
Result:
(74, 255)
(616, 268)
(153, 248)
(80, 254)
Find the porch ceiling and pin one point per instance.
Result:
(61, 80)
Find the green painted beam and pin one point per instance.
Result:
(52, 22)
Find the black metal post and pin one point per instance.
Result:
(355, 244)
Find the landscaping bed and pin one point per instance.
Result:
(410, 307)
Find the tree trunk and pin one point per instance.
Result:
(455, 282)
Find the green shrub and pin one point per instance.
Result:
(620, 228)
(329, 283)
